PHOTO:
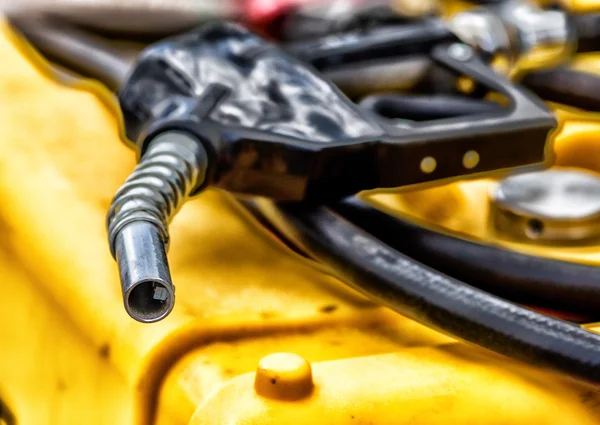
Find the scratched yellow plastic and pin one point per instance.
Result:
(70, 354)
(49, 372)
(451, 384)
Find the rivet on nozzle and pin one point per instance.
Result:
(460, 52)
(172, 167)
(283, 376)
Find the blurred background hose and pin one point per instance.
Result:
(142, 18)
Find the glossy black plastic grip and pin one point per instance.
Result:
(379, 43)
(275, 127)
(499, 138)
(425, 107)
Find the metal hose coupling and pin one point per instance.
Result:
(172, 167)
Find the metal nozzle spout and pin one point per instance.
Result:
(170, 170)
(148, 292)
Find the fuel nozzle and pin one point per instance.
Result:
(222, 107)
(171, 168)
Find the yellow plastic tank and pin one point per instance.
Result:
(257, 336)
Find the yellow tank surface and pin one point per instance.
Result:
(576, 6)
(71, 355)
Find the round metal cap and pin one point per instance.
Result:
(554, 205)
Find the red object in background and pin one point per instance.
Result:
(260, 13)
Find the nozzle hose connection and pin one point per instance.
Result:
(172, 167)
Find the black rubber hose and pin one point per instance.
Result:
(426, 107)
(565, 86)
(587, 28)
(77, 50)
(439, 301)
(6, 415)
(129, 19)
(522, 278)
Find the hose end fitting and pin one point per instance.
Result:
(170, 170)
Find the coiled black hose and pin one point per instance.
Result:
(437, 300)
(565, 86)
(522, 278)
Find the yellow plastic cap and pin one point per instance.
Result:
(283, 376)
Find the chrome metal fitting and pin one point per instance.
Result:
(171, 168)
(527, 36)
(557, 205)
(483, 31)
(542, 38)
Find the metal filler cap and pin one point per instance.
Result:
(558, 205)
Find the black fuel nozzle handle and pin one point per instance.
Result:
(222, 107)
(380, 58)
(264, 116)
(314, 20)
(526, 119)
(397, 56)
(417, 37)
(419, 107)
